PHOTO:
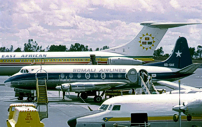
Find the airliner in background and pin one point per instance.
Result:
(88, 79)
(141, 48)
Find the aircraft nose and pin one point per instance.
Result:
(72, 122)
(7, 80)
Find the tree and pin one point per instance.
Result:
(57, 48)
(166, 55)
(4, 49)
(18, 50)
(192, 51)
(103, 48)
(199, 50)
(32, 46)
(79, 47)
(11, 48)
(97, 49)
(158, 52)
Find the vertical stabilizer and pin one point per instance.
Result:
(144, 44)
(180, 57)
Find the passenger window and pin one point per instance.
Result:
(116, 107)
(87, 75)
(119, 75)
(95, 75)
(22, 71)
(70, 75)
(79, 75)
(111, 75)
(103, 75)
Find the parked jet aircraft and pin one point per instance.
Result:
(87, 79)
(141, 48)
(156, 110)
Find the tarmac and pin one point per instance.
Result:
(59, 110)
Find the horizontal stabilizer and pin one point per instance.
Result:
(189, 69)
(175, 86)
(166, 25)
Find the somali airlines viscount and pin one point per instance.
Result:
(152, 110)
(141, 48)
(87, 79)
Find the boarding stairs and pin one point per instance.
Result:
(42, 98)
(147, 85)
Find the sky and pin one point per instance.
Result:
(95, 23)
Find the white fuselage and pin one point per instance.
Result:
(157, 107)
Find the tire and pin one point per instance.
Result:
(189, 117)
(29, 99)
(20, 98)
(84, 96)
(97, 99)
(175, 117)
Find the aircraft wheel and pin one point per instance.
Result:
(175, 117)
(30, 99)
(98, 99)
(189, 117)
(20, 98)
(84, 96)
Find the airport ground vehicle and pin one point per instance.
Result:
(20, 93)
(23, 115)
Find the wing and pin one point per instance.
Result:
(175, 86)
(88, 86)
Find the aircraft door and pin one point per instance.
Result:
(41, 75)
(43, 61)
(33, 61)
(132, 75)
(144, 75)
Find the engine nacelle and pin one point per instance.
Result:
(64, 87)
(123, 61)
(194, 108)
(132, 75)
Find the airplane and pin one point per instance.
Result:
(137, 51)
(154, 110)
(175, 88)
(88, 79)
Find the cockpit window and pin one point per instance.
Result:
(24, 71)
(110, 107)
(116, 107)
(104, 107)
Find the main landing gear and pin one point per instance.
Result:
(97, 96)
